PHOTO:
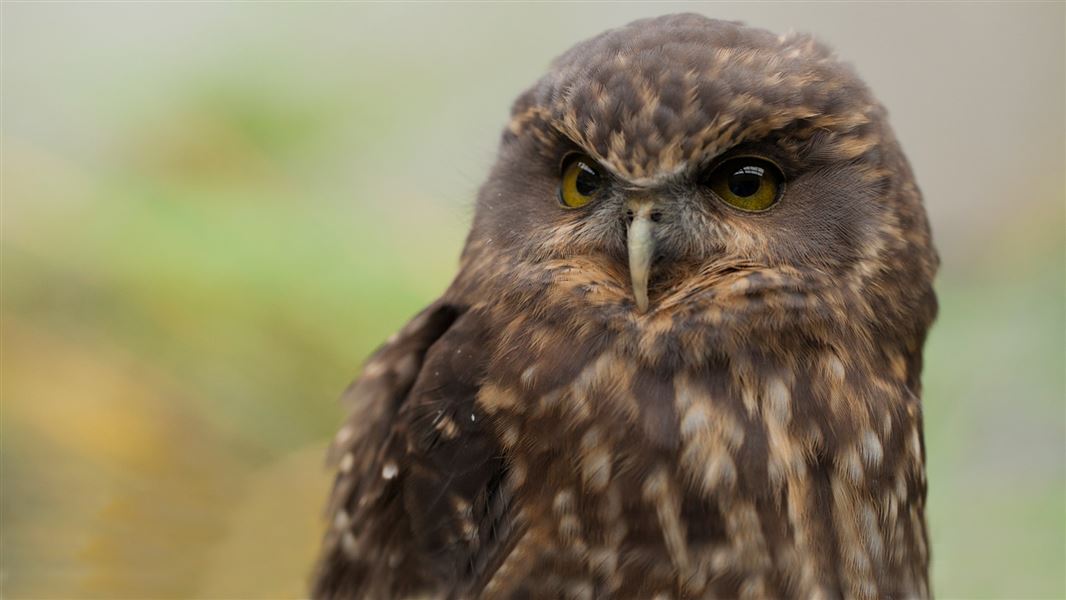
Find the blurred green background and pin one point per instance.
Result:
(211, 213)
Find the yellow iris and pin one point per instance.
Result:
(748, 183)
(580, 182)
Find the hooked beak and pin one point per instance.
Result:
(641, 220)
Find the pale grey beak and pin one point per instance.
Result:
(641, 243)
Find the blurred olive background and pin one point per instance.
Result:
(213, 212)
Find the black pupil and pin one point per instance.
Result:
(746, 181)
(587, 180)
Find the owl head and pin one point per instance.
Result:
(677, 162)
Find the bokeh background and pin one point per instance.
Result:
(211, 214)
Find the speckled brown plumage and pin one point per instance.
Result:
(755, 433)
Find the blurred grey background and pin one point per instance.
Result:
(213, 212)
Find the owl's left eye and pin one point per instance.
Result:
(748, 183)
(581, 182)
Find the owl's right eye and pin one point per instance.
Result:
(581, 181)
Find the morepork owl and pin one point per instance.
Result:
(682, 355)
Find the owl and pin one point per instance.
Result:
(682, 354)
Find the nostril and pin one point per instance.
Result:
(656, 216)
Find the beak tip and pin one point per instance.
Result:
(642, 305)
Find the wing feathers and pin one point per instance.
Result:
(420, 503)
